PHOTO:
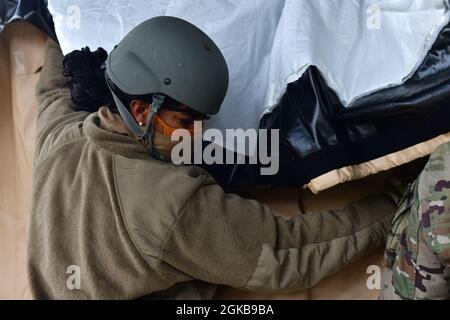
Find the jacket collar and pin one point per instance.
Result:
(106, 132)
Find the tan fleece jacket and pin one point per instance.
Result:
(128, 226)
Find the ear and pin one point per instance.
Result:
(139, 109)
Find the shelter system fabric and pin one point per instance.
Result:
(318, 134)
(35, 12)
(347, 82)
(21, 56)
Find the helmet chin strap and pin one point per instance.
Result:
(144, 136)
(147, 135)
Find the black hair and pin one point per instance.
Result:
(89, 91)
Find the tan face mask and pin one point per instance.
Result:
(164, 145)
(162, 141)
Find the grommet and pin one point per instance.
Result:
(166, 81)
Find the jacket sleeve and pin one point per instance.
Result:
(434, 203)
(55, 114)
(225, 239)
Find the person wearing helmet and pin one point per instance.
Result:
(184, 65)
(113, 218)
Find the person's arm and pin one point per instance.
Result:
(225, 239)
(55, 113)
(434, 203)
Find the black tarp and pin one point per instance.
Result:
(318, 134)
(33, 11)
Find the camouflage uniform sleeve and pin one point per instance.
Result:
(418, 246)
(434, 196)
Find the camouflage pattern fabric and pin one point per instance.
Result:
(417, 256)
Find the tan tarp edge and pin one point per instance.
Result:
(387, 162)
(21, 54)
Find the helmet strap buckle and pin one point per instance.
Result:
(157, 102)
(146, 137)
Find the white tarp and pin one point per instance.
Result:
(358, 45)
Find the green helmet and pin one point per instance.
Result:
(172, 57)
